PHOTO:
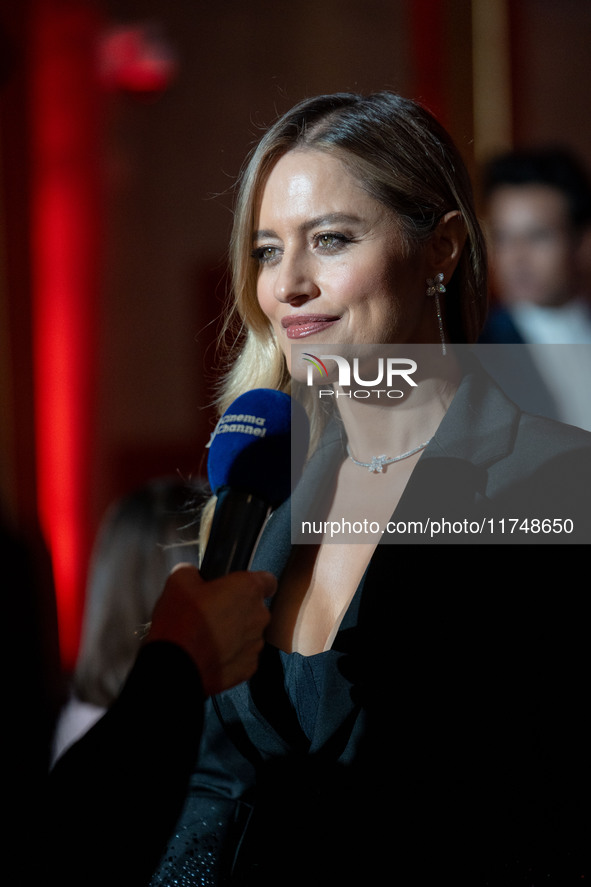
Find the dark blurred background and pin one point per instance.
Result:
(123, 126)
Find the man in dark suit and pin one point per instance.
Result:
(538, 207)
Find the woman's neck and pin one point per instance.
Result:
(380, 424)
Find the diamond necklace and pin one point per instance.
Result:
(376, 466)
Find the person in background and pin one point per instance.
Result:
(538, 206)
(538, 210)
(142, 537)
(106, 808)
(34, 686)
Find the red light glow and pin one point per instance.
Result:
(136, 59)
(65, 236)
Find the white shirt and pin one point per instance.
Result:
(566, 367)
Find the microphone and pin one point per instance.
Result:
(256, 457)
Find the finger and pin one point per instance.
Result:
(188, 568)
(267, 582)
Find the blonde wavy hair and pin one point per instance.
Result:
(405, 159)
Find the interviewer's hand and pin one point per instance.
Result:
(220, 623)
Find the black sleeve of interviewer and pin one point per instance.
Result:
(113, 798)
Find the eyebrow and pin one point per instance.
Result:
(329, 219)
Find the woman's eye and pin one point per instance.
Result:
(331, 241)
(264, 254)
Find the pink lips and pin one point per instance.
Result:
(297, 327)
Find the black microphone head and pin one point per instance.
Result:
(259, 446)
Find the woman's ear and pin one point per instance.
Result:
(446, 244)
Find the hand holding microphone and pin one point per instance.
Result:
(219, 623)
(218, 614)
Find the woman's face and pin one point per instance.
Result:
(333, 266)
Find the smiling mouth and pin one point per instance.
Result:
(307, 324)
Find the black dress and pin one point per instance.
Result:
(276, 762)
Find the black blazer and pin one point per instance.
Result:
(449, 741)
(468, 662)
(492, 474)
(108, 806)
(500, 328)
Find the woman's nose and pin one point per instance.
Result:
(295, 282)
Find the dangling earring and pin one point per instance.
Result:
(434, 287)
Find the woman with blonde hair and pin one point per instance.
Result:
(419, 187)
(384, 735)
